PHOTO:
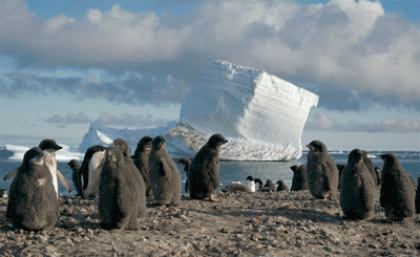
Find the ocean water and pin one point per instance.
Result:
(234, 171)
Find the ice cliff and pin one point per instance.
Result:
(261, 115)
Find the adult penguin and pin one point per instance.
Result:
(91, 170)
(33, 203)
(49, 147)
(203, 177)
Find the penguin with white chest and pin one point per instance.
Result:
(91, 170)
(33, 203)
(49, 147)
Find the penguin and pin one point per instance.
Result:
(250, 184)
(235, 188)
(164, 176)
(418, 196)
(122, 145)
(397, 194)
(281, 186)
(3, 193)
(378, 171)
(186, 163)
(33, 203)
(369, 164)
(91, 170)
(340, 168)
(358, 189)
(268, 187)
(300, 178)
(141, 159)
(203, 175)
(49, 147)
(258, 183)
(75, 166)
(84, 169)
(120, 197)
(322, 171)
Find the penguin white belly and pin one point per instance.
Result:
(51, 162)
(251, 186)
(95, 169)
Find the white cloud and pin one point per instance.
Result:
(79, 118)
(351, 50)
(130, 120)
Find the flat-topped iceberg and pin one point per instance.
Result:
(262, 115)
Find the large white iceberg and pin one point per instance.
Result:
(262, 115)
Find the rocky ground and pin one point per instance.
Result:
(240, 224)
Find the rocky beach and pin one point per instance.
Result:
(240, 224)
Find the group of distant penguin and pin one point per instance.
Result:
(123, 182)
(120, 181)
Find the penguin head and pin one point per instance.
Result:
(216, 141)
(113, 156)
(34, 156)
(390, 159)
(317, 146)
(146, 141)
(355, 156)
(159, 142)
(74, 164)
(122, 146)
(49, 145)
(294, 168)
(250, 178)
(184, 161)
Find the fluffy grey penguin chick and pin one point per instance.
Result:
(164, 176)
(203, 175)
(397, 192)
(281, 186)
(268, 187)
(75, 167)
(186, 163)
(322, 171)
(369, 165)
(122, 145)
(141, 160)
(358, 189)
(33, 203)
(119, 194)
(300, 178)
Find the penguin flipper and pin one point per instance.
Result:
(63, 180)
(11, 174)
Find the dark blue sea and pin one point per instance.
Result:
(233, 171)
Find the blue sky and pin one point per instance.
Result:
(65, 64)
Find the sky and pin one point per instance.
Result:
(65, 64)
